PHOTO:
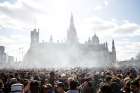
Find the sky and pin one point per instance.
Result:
(109, 19)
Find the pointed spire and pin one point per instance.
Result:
(71, 21)
(71, 17)
(113, 45)
(113, 51)
(71, 33)
(34, 37)
(106, 44)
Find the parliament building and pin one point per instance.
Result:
(70, 52)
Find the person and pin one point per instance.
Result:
(17, 88)
(86, 87)
(1, 86)
(106, 88)
(60, 87)
(34, 86)
(126, 86)
(73, 87)
(116, 85)
(108, 79)
(48, 88)
(27, 86)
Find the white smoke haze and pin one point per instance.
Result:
(57, 56)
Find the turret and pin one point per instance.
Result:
(113, 51)
(89, 41)
(106, 45)
(95, 40)
(34, 37)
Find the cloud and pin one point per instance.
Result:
(127, 28)
(20, 11)
(102, 4)
(97, 8)
(106, 3)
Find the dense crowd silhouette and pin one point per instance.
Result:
(76, 80)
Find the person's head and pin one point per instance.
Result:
(46, 81)
(13, 80)
(25, 82)
(1, 84)
(60, 87)
(108, 79)
(138, 80)
(106, 88)
(73, 85)
(127, 86)
(34, 86)
(47, 88)
(116, 88)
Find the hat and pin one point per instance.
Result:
(17, 88)
(60, 84)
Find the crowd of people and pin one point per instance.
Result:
(76, 80)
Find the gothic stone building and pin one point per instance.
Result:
(71, 52)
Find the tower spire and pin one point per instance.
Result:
(71, 33)
(71, 20)
(34, 37)
(113, 51)
(106, 44)
(113, 45)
